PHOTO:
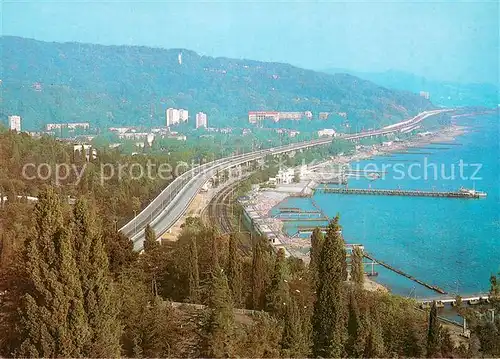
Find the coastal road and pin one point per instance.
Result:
(173, 201)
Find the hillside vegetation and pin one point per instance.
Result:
(121, 85)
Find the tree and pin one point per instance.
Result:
(354, 346)
(329, 309)
(100, 302)
(258, 275)
(433, 333)
(357, 269)
(294, 340)
(317, 240)
(278, 297)
(52, 316)
(193, 273)
(120, 251)
(220, 324)
(374, 347)
(234, 274)
(150, 242)
(151, 258)
(494, 286)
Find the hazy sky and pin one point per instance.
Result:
(441, 40)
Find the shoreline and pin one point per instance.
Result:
(448, 134)
(267, 199)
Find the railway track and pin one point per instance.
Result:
(219, 214)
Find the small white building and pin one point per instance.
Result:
(326, 132)
(15, 123)
(85, 150)
(285, 176)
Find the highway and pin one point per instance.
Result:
(173, 201)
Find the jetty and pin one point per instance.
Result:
(400, 272)
(462, 193)
(471, 299)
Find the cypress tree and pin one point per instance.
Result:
(357, 269)
(317, 240)
(52, 315)
(412, 346)
(193, 273)
(234, 274)
(354, 328)
(214, 250)
(294, 340)
(150, 242)
(329, 309)
(220, 325)
(277, 297)
(374, 347)
(100, 302)
(433, 333)
(258, 275)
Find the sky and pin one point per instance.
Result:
(442, 40)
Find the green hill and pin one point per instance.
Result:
(122, 85)
(442, 93)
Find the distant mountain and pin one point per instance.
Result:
(122, 85)
(443, 93)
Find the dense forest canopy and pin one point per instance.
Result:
(122, 85)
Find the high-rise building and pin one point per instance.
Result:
(425, 94)
(173, 116)
(183, 115)
(201, 120)
(15, 123)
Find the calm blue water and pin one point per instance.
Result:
(452, 243)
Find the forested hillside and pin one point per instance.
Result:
(443, 93)
(116, 85)
(71, 285)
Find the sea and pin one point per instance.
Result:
(448, 242)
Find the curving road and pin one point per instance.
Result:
(173, 201)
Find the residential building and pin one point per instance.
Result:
(15, 123)
(285, 176)
(257, 116)
(201, 120)
(172, 116)
(308, 115)
(183, 115)
(291, 115)
(120, 130)
(324, 115)
(330, 132)
(425, 94)
(70, 126)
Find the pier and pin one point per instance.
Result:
(400, 272)
(399, 192)
(307, 230)
(471, 299)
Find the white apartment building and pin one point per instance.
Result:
(175, 116)
(15, 123)
(201, 120)
(183, 115)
